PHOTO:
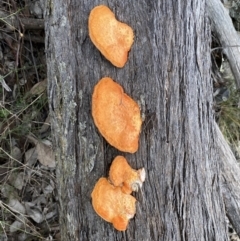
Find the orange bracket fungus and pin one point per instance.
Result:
(114, 206)
(112, 38)
(111, 198)
(122, 175)
(116, 115)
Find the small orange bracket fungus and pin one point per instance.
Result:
(111, 199)
(112, 38)
(116, 115)
(122, 175)
(114, 206)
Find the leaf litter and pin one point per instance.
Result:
(28, 197)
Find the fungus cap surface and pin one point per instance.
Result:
(111, 204)
(111, 37)
(122, 175)
(116, 115)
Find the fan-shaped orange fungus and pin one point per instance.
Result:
(112, 204)
(116, 115)
(111, 37)
(122, 175)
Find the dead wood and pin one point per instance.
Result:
(222, 25)
(168, 71)
(230, 172)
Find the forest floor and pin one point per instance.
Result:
(28, 195)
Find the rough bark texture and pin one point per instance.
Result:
(230, 170)
(168, 72)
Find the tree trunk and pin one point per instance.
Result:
(168, 72)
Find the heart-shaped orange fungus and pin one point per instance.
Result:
(116, 115)
(111, 204)
(112, 38)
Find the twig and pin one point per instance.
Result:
(13, 22)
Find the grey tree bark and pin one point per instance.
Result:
(230, 180)
(168, 72)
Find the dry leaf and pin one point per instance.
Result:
(44, 152)
(45, 155)
(51, 214)
(16, 206)
(17, 180)
(38, 88)
(16, 153)
(46, 125)
(33, 213)
(16, 226)
(8, 191)
(48, 189)
(31, 156)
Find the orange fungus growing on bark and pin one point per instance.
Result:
(111, 37)
(116, 115)
(111, 198)
(111, 204)
(122, 175)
